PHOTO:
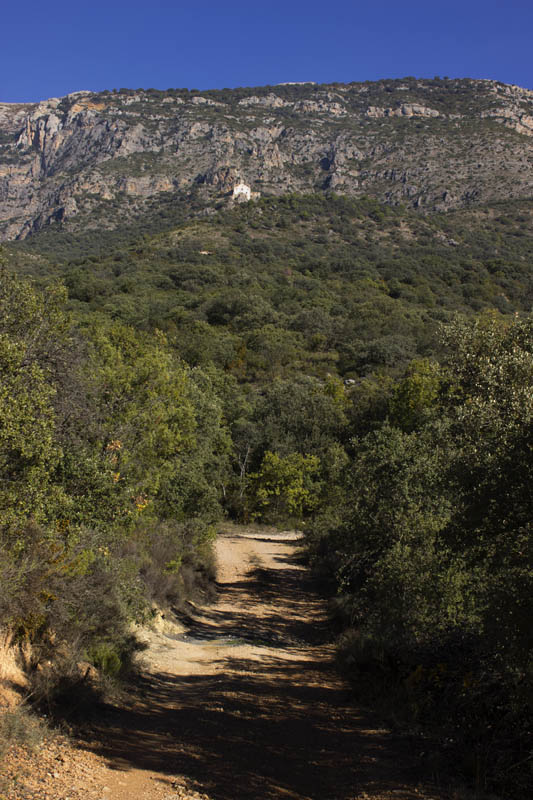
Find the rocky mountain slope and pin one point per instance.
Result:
(99, 159)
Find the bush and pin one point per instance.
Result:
(175, 560)
(432, 550)
(21, 727)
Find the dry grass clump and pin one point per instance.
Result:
(21, 727)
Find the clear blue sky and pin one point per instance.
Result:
(50, 49)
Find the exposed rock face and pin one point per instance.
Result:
(405, 110)
(94, 159)
(512, 118)
(270, 101)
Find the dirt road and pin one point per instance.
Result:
(243, 700)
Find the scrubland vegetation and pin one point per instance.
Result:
(112, 452)
(354, 369)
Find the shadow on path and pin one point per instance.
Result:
(262, 727)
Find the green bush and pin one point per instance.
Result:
(431, 549)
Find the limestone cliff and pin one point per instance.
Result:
(98, 159)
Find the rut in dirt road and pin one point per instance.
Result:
(262, 713)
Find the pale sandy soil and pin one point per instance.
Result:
(240, 699)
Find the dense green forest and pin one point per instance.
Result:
(308, 285)
(359, 370)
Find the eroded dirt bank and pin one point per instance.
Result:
(243, 700)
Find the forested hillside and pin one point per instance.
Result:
(300, 284)
(356, 369)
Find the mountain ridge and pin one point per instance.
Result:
(98, 159)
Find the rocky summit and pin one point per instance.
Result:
(94, 160)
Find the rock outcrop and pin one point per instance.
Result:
(405, 110)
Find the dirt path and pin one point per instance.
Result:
(243, 700)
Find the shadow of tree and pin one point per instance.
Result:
(262, 727)
(292, 624)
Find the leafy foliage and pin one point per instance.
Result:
(284, 486)
(139, 445)
(432, 549)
